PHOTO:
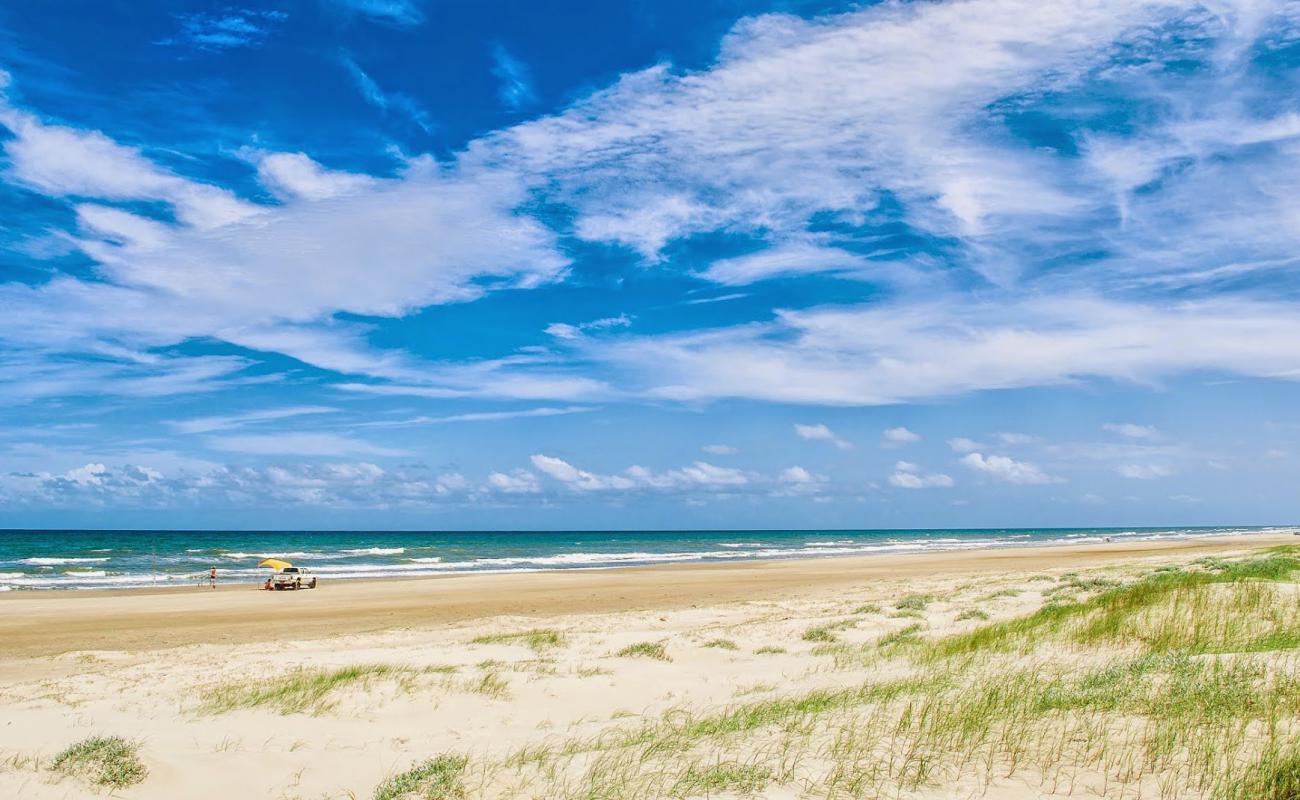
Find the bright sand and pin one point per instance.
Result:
(139, 664)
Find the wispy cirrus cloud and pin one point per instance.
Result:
(398, 102)
(400, 13)
(516, 91)
(228, 28)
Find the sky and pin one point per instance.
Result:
(442, 264)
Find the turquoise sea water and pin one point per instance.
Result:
(86, 559)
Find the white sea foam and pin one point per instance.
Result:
(427, 560)
(54, 562)
(375, 551)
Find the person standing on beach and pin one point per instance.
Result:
(212, 577)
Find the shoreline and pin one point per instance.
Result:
(46, 623)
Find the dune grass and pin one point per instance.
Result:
(914, 602)
(1165, 611)
(722, 644)
(104, 761)
(303, 690)
(538, 639)
(1183, 681)
(653, 650)
(436, 779)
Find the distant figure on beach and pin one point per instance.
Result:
(212, 577)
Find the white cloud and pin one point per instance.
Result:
(565, 472)
(907, 475)
(797, 124)
(877, 355)
(1007, 469)
(403, 13)
(300, 444)
(720, 449)
(217, 423)
(563, 330)
(820, 433)
(901, 435)
(226, 29)
(520, 481)
(516, 90)
(297, 176)
(65, 162)
(1012, 438)
(790, 258)
(1131, 430)
(383, 100)
(1143, 472)
(961, 444)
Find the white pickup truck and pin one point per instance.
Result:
(293, 578)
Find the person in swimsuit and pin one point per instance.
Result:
(212, 577)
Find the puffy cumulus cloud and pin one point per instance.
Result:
(521, 481)
(820, 433)
(565, 472)
(962, 444)
(900, 435)
(907, 475)
(1007, 469)
(699, 477)
(798, 481)
(1131, 430)
(1143, 472)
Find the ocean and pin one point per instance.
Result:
(90, 559)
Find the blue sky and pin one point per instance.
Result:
(451, 264)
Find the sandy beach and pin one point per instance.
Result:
(508, 670)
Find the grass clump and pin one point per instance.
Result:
(821, 633)
(301, 690)
(653, 650)
(869, 608)
(491, 685)
(1231, 608)
(538, 639)
(104, 761)
(901, 636)
(769, 650)
(972, 613)
(914, 602)
(724, 777)
(1274, 776)
(722, 644)
(436, 779)
(1001, 593)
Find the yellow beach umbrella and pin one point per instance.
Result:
(275, 564)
